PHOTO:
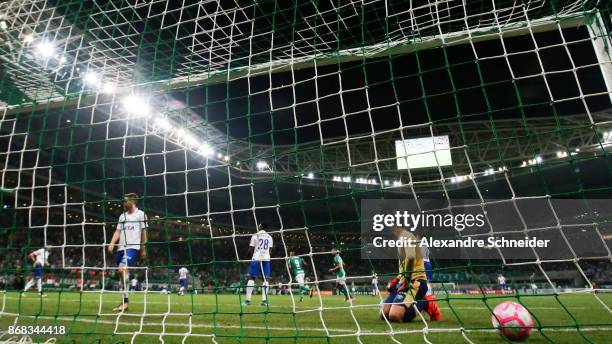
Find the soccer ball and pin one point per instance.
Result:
(513, 320)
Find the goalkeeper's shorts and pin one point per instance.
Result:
(407, 298)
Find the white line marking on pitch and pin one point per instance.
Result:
(167, 324)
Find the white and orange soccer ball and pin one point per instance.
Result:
(513, 320)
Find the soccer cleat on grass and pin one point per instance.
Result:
(121, 308)
(311, 293)
(264, 303)
(435, 314)
(246, 303)
(42, 295)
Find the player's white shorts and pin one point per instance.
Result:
(341, 280)
(299, 278)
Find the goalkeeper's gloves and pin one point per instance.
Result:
(392, 284)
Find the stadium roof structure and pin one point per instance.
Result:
(171, 45)
(167, 46)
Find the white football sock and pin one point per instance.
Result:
(249, 289)
(29, 285)
(264, 291)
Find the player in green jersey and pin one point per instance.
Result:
(296, 264)
(340, 274)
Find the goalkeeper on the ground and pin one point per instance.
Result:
(296, 264)
(408, 290)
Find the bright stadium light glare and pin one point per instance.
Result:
(136, 106)
(310, 175)
(262, 165)
(386, 182)
(187, 139)
(561, 154)
(109, 88)
(162, 123)
(226, 158)
(28, 39)
(206, 150)
(91, 78)
(45, 49)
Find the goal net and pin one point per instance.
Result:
(225, 117)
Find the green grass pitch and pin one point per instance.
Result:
(222, 319)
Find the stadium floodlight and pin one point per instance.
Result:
(91, 78)
(188, 140)
(226, 158)
(206, 150)
(28, 39)
(346, 179)
(109, 88)
(45, 49)
(386, 182)
(489, 171)
(561, 154)
(219, 155)
(310, 175)
(136, 106)
(162, 123)
(262, 165)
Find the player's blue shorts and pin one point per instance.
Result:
(127, 257)
(428, 270)
(257, 268)
(38, 271)
(183, 282)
